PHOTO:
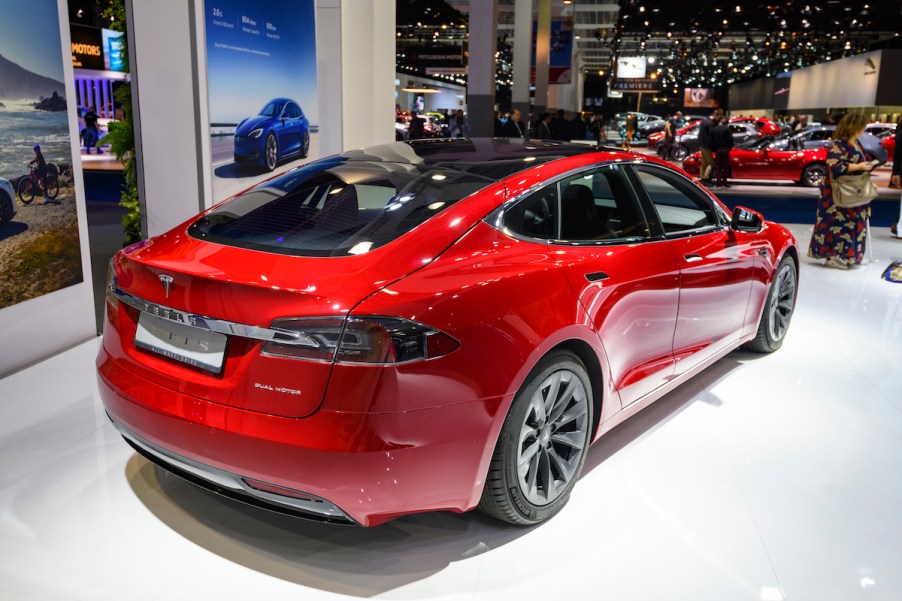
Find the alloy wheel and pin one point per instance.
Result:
(552, 437)
(781, 303)
(272, 152)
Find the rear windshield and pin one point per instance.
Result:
(336, 207)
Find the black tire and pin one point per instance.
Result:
(305, 145)
(25, 190)
(271, 152)
(813, 175)
(680, 152)
(6, 207)
(51, 187)
(778, 309)
(556, 444)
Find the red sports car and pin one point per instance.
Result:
(889, 142)
(657, 138)
(757, 161)
(433, 325)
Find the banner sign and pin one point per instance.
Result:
(261, 77)
(644, 84)
(560, 57)
(87, 47)
(437, 56)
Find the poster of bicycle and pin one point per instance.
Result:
(39, 244)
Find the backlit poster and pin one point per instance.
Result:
(40, 250)
(261, 80)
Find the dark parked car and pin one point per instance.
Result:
(742, 130)
(279, 132)
(822, 137)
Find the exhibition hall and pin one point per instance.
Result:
(450, 299)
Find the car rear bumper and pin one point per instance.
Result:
(344, 467)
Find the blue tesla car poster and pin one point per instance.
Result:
(261, 81)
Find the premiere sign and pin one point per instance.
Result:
(635, 85)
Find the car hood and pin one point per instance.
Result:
(249, 125)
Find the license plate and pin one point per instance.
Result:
(194, 346)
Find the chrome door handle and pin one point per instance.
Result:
(692, 258)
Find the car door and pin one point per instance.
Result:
(291, 117)
(717, 265)
(625, 276)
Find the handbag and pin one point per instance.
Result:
(855, 190)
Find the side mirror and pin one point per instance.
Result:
(746, 220)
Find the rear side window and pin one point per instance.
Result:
(335, 208)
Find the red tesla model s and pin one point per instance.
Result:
(756, 160)
(432, 325)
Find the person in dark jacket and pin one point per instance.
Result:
(560, 126)
(514, 128)
(543, 131)
(704, 144)
(721, 144)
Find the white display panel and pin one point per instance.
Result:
(631, 67)
(45, 268)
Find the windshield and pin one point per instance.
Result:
(336, 207)
(273, 109)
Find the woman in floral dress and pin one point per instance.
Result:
(839, 234)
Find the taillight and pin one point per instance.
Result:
(370, 340)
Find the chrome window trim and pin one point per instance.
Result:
(231, 328)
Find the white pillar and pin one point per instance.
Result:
(481, 68)
(543, 51)
(522, 52)
(367, 41)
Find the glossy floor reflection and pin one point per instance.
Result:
(766, 478)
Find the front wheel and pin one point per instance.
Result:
(778, 308)
(25, 190)
(7, 209)
(814, 175)
(680, 152)
(271, 152)
(543, 443)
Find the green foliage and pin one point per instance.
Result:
(121, 136)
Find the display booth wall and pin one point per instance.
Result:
(224, 62)
(46, 297)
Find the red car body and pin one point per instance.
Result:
(657, 138)
(348, 441)
(758, 162)
(889, 142)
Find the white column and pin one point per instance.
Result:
(367, 72)
(168, 130)
(543, 51)
(481, 68)
(522, 51)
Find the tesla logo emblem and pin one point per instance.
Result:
(166, 281)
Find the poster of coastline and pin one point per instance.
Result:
(261, 79)
(39, 243)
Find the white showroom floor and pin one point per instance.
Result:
(766, 478)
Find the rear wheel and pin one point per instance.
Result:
(305, 144)
(543, 443)
(26, 190)
(814, 175)
(778, 309)
(51, 186)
